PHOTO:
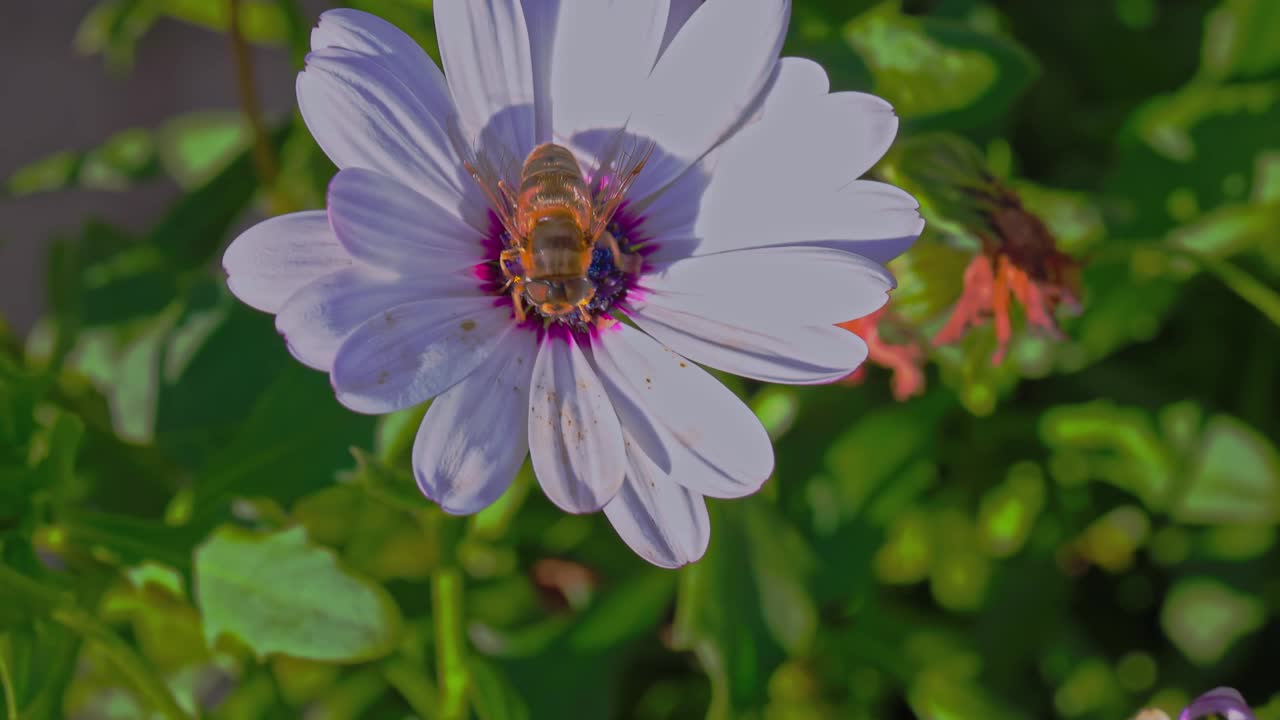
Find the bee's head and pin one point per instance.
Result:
(557, 298)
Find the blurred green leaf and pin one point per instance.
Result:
(1204, 618)
(1240, 40)
(194, 147)
(124, 159)
(937, 72)
(1234, 478)
(278, 593)
(492, 694)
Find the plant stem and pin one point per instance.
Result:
(135, 669)
(451, 663)
(1249, 288)
(31, 593)
(263, 158)
(6, 682)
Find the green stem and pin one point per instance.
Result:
(149, 685)
(6, 682)
(58, 604)
(451, 663)
(410, 679)
(1249, 288)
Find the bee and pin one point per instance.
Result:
(555, 220)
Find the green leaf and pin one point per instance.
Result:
(125, 158)
(718, 617)
(1204, 618)
(492, 694)
(1235, 477)
(1240, 40)
(278, 593)
(195, 147)
(938, 71)
(261, 21)
(193, 229)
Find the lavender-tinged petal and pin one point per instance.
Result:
(484, 45)
(682, 419)
(388, 224)
(400, 54)
(411, 353)
(788, 354)
(771, 286)
(677, 16)
(276, 258)
(707, 83)
(1223, 701)
(474, 438)
(317, 319)
(658, 519)
(575, 440)
(595, 76)
(364, 116)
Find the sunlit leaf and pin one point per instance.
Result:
(1204, 618)
(1240, 40)
(1235, 477)
(939, 70)
(278, 593)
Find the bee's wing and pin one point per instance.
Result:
(620, 162)
(493, 169)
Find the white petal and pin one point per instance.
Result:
(796, 82)
(706, 83)
(319, 317)
(370, 35)
(364, 116)
(789, 354)
(602, 55)
(660, 520)
(706, 438)
(873, 219)
(773, 285)
(574, 437)
(677, 16)
(413, 352)
(276, 258)
(387, 224)
(474, 438)
(485, 48)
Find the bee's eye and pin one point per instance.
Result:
(537, 292)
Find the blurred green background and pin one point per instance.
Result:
(190, 525)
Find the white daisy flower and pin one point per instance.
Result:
(690, 199)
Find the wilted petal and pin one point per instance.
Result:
(411, 353)
(681, 418)
(276, 258)
(660, 520)
(574, 437)
(473, 439)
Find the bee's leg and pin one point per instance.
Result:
(584, 314)
(629, 264)
(517, 299)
